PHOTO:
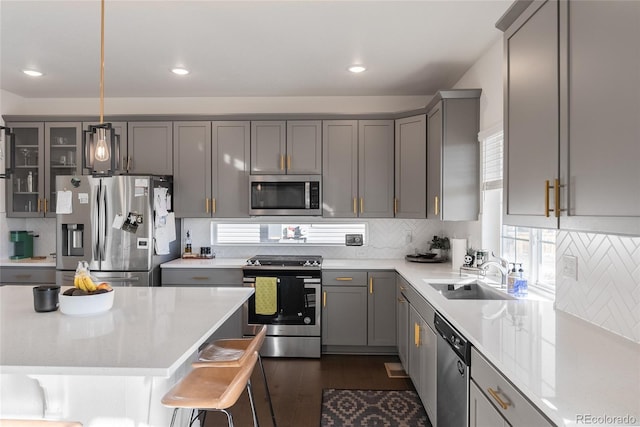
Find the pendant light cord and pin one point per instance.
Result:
(102, 62)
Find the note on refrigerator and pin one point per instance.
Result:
(64, 202)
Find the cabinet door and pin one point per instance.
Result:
(340, 168)
(268, 147)
(402, 325)
(382, 308)
(304, 147)
(63, 142)
(120, 129)
(422, 365)
(375, 168)
(192, 169)
(344, 315)
(150, 148)
(230, 173)
(531, 139)
(434, 162)
(481, 412)
(23, 202)
(602, 146)
(411, 167)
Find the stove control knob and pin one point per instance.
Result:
(256, 262)
(306, 264)
(249, 262)
(315, 263)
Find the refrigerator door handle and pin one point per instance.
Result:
(103, 217)
(95, 221)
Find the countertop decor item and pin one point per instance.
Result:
(86, 305)
(441, 246)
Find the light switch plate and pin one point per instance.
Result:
(570, 267)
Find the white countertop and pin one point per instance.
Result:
(147, 332)
(28, 262)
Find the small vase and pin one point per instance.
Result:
(441, 253)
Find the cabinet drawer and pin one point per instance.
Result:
(20, 275)
(509, 402)
(201, 277)
(343, 278)
(416, 300)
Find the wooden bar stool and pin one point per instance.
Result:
(213, 389)
(230, 352)
(38, 423)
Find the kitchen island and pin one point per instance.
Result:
(109, 369)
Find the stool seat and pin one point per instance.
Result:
(230, 352)
(211, 388)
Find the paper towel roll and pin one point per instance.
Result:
(458, 251)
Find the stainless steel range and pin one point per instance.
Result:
(288, 301)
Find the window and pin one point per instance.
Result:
(326, 234)
(533, 248)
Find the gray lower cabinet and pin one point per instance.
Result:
(505, 406)
(358, 309)
(211, 176)
(555, 125)
(402, 324)
(31, 276)
(208, 277)
(358, 168)
(381, 309)
(453, 155)
(150, 148)
(422, 365)
(411, 167)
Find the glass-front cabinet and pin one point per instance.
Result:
(43, 151)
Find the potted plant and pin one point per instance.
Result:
(440, 246)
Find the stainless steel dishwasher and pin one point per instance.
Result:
(454, 358)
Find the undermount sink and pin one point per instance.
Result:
(470, 290)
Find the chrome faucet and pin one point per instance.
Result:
(504, 269)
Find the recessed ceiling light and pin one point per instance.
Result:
(357, 68)
(180, 71)
(32, 73)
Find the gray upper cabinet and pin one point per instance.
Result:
(268, 147)
(453, 155)
(411, 167)
(555, 127)
(304, 147)
(339, 168)
(120, 128)
(293, 147)
(22, 201)
(211, 177)
(150, 148)
(358, 173)
(531, 116)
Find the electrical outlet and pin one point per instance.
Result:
(361, 252)
(408, 237)
(570, 267)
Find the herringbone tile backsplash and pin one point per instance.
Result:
(607, 292)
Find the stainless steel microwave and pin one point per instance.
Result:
(285, 195)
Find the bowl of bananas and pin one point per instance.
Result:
(86, 297)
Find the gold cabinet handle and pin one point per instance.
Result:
(213, 205)
(436, 206)
(395, 206)
(556, 188)
(39, 202)
(494, 394)
(371, 285)
(355, 208)
(344, 279)
(361, 204)
(324, 298)
(401, 300)
(288, 162)
(281, 162)
(130, 164)
(416, 334)
(124, 163)
(206, 205)
(402, 289)
(199, 278)
(23, 276)
(547, 186)
(46, 205)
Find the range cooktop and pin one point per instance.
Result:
(285, 261)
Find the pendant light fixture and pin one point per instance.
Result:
(101, 144)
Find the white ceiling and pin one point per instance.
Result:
(242, 48)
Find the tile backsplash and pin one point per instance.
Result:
(607, 292)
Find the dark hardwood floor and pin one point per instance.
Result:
(296, 388)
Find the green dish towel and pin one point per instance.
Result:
(266, 295)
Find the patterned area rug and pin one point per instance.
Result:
(357, 408)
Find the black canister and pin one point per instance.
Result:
(45, 298)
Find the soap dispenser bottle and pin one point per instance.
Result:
(511, 279)
(522, 286)
(187, 243)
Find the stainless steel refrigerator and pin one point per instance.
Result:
(110, 222)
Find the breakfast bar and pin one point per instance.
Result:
(108, 369)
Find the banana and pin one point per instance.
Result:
(76, 281)
(79, 283)
(89, 284)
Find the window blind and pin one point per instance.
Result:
(492, 158)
